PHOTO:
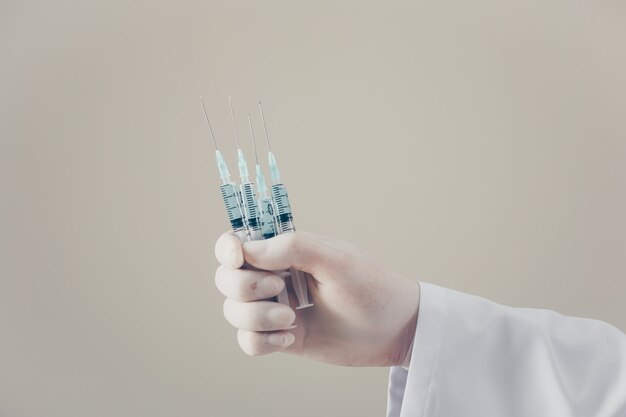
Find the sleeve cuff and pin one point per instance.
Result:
(418, 380)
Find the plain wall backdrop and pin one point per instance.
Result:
(479, 145)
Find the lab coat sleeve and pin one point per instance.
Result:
(474, 358)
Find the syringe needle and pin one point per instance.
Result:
(232, 116)
(256, 156)
(267, 139)
(221, 164)
(274, 173)
(243, 167)
(208, 122)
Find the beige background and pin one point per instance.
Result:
(492, 133)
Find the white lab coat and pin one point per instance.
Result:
(475, 358)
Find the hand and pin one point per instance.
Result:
(364, 313)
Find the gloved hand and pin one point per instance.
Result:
(364, 313)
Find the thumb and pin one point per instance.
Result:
(228, 250)
(302, 251)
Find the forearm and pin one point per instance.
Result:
(475, 357)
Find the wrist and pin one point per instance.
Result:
(407, 337)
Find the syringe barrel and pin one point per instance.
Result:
(250, 208)
(284, 217)
(266, 217)
(230, 195)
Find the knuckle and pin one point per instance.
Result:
(219, 243)
(275, 318)
(254, 286)
(250, 289)
(244, 315)
(291, 245)
(297, 247)
(225, 281)
(236, 284)
(219, 273)
(228, 251)
(257, 316)
(246, 289)
(291, 240)
(227, 309)
(259, 321)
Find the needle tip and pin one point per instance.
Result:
(208, 122)
(232, 116)
(267, 139)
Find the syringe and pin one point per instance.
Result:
(284, 218)
(248, 202)
(266, 211)
(228, 189)
(264, 202)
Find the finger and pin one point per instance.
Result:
(228, 251)
(259, 316)
(247, 285)
(262, 343)
(302, 251)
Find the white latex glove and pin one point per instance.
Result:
(364, 313)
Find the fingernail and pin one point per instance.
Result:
(281, 339)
